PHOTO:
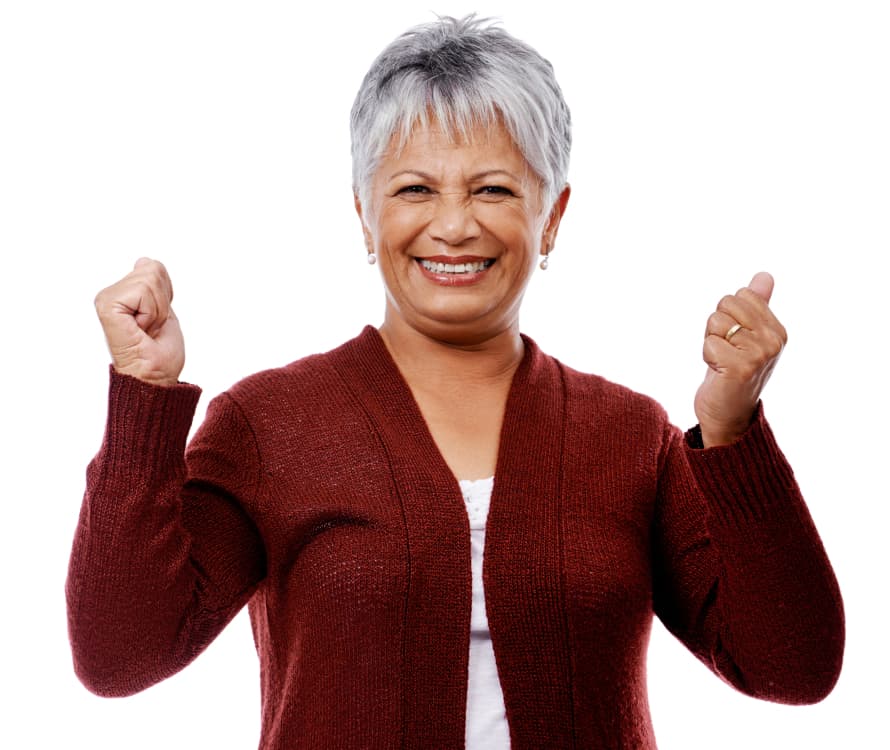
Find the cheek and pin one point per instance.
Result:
(399, 226)
(515, 228)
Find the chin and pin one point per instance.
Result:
(459, 327)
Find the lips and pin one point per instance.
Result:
(474, 266)
(454, 271)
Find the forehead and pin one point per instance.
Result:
(482, 147)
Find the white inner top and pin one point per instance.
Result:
(486, 716)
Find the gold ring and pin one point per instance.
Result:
(733, 331)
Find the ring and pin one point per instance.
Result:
(733, 331)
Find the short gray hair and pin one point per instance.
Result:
(461, 73)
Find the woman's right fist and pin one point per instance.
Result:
(140, 327)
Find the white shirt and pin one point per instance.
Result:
(486, 716)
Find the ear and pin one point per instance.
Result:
(369, 238)
(552, 227)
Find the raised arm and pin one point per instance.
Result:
(164, 554)
(741, 575)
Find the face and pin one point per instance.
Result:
(458, 229)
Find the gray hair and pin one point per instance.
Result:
(461, 73)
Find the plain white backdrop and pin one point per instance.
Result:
(712, 140)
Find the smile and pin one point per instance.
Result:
(455, 268)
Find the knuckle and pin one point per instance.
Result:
(102, 301)
(774, 340)
(161, 272)
(150, 269)
(708, 351)
(149, 286)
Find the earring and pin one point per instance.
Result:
(372, 258)
(545, 261)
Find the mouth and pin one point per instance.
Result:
(455, 266)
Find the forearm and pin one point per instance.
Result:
(763, 606)
(140, 605)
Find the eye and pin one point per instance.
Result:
(413, 190)
(494, 191)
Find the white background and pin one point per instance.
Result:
(712, 140)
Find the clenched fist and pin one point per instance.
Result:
(743, 341)
(140, 327)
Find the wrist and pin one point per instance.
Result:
(147, 377)
(714, 434)
(716, 438)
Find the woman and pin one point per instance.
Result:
(338, 496)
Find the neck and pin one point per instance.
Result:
(439, 363)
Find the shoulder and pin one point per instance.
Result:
(279, 381)
(604, 418)
(604, 393)
(590, 391)
(303, 385)
(591, 398)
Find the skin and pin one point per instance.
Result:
(739, 368)
(440, 198)
(141, 329)
(458, 345)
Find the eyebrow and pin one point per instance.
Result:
(476, 176)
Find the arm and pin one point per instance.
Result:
(163, 556)
(740, 574)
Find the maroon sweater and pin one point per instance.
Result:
(315, 494)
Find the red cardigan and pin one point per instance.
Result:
(315, 494)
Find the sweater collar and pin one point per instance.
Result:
(531, 432)
(368, 367)
(522, 529)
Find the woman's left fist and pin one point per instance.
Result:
(743, 341)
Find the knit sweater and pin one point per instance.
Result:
(315, 494)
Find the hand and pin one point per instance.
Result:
(140, 327)
(738, 364)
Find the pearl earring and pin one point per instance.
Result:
(372, 258)
(545, 261)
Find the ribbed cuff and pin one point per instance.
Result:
(746, 481)
(147, 425)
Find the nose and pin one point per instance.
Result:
(453, 221)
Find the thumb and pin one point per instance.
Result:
(141, 262)
(762, 285)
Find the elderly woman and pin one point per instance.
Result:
(350, 498)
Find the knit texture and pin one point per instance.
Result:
(315, 494)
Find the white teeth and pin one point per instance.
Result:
(455, 268)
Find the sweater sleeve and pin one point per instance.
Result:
(740, 574)
(164, 555)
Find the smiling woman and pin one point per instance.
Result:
(350, 499)
(439, 206)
